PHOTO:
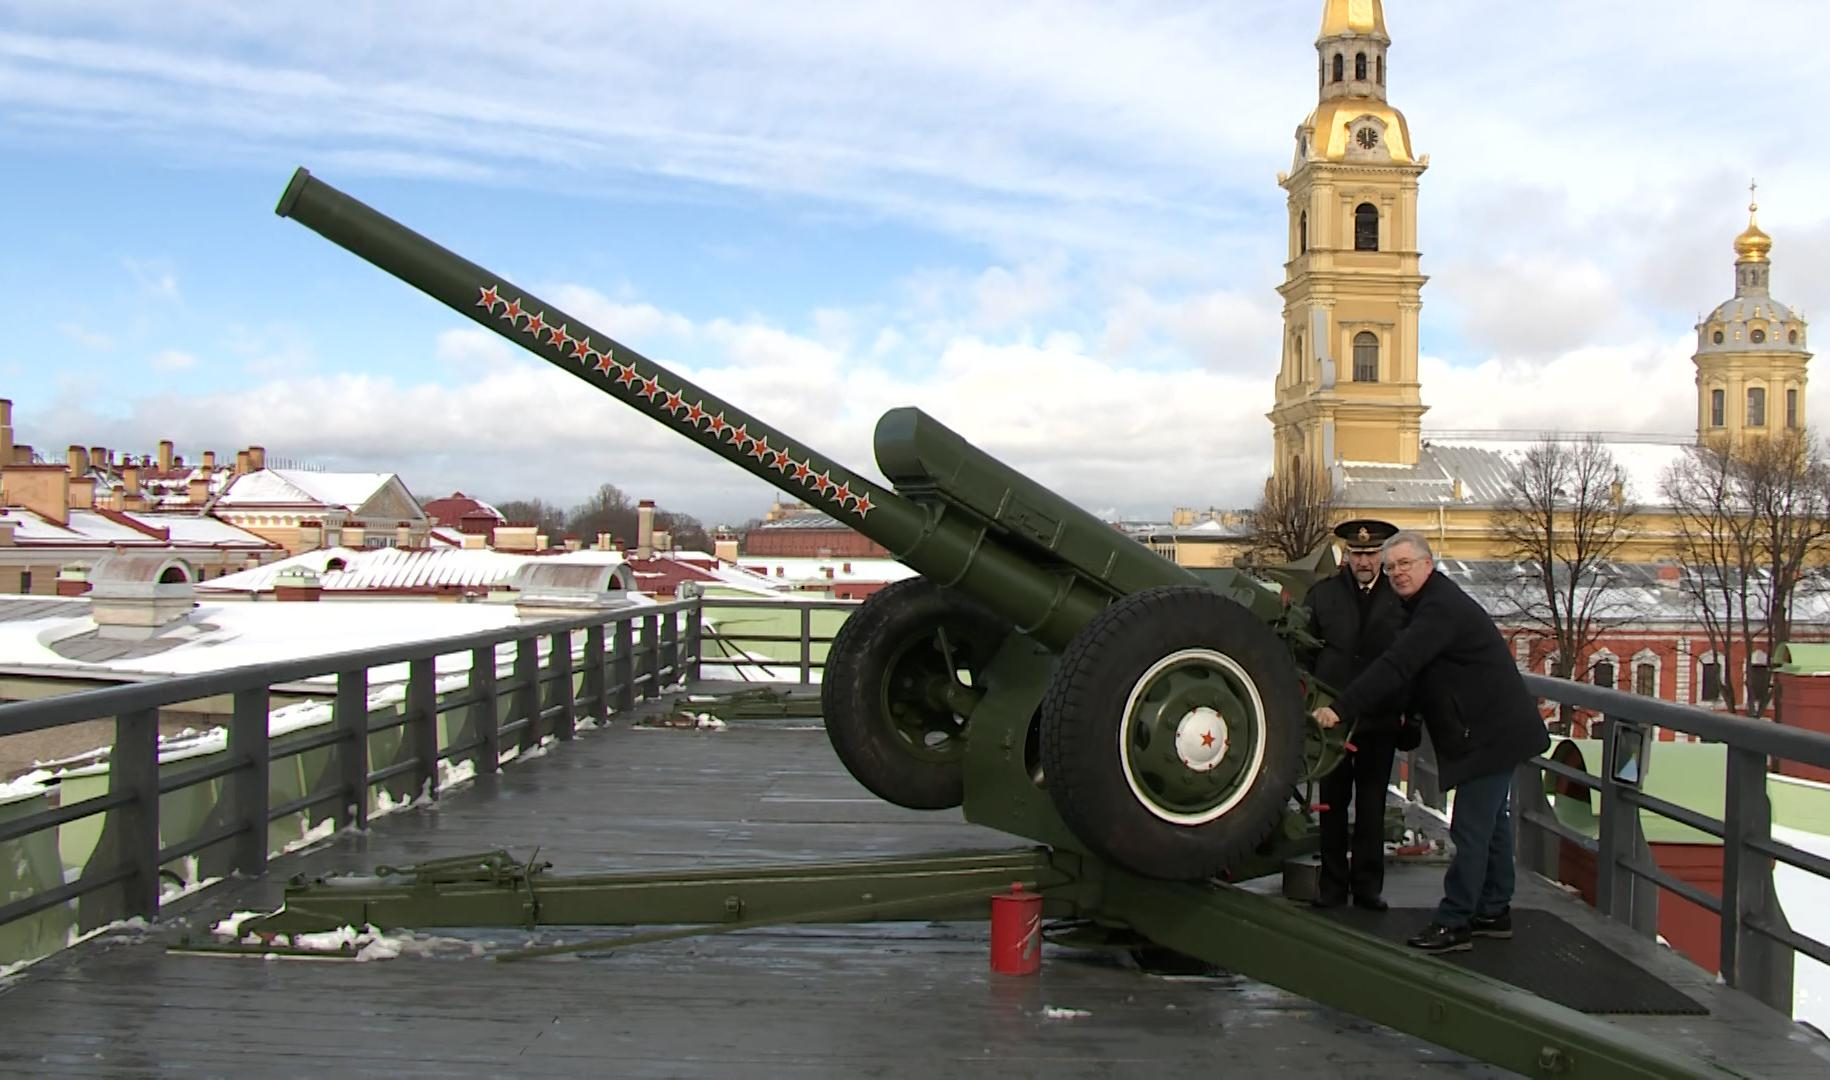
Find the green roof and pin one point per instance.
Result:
(1804, 658)
(1692, 775)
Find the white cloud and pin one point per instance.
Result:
(172, 360)
(154, 277)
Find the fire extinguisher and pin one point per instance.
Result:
(1016, 931)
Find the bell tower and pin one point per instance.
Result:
(1750, 354)
(1347, 389)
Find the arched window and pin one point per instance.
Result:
(1791, 408)
(1756, 406)
(1718, 403)
(1792, 337)
(335, 564)
(1717, 337)
(1359, 66)
(1340, 67)
(1381, 71)
(173, 575)
(1366, 227)
(1302, 233)
(1299, 354)
(1365, 357)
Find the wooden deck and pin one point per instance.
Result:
(895, 1000)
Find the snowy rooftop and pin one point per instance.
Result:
(128, 529)
(393, 569)
(791, 570)
(298, 487)
(1485, 464)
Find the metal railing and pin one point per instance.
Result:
(624, 656)
(1757, 946)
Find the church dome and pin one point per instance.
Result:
(1751, 320)
(1366, 17)
(1753, 244)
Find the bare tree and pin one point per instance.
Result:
(1750, 521)
(1563, 519)
(549, 518)
(1296, 513)
(608, 510)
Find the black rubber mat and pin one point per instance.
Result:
(1546, 956)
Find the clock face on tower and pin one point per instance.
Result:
(1367, 138)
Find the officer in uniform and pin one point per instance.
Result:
(1356, 614)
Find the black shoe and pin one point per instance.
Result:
(1436, 938)
(1327, 900)
(1371, 902)
(1493, 926)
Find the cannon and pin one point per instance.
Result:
(1144, 722)
(1156, 706)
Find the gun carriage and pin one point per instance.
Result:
(1143, 722)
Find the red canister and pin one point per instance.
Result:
(1016, 931)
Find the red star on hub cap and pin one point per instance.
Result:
(1207, 738)
(605, 364)
(490, 298)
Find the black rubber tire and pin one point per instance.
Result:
(888, 651)
(1084, 721)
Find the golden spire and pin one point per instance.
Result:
(1752, 245)
(1353, 17)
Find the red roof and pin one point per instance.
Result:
(450, 511)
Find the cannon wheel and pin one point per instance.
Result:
(1172, 734)
(884, 691)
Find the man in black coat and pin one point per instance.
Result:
(1356, 614)
(1451, 664)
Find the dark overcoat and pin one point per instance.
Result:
(1450, 664)
(1349, 643)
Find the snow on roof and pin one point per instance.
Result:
(93, 527)
(385, 569)
(791, 570)
(299, 487)
(1485, 463)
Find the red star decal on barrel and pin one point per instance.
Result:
(673, 403)
(512, 311)
(626, 375)
(740, 435)
(695, 413)
(489, 299)
(581, 348)
(802, 470)
(823, 481)
(535, 324)
(864, 505)
(651, 388)
(558, 336)
(605, 364)
(842, 494)
(759, 449)
(782, 458)
(717, 425)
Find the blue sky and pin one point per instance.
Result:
(1056, 225)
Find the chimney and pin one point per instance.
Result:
(117, 500)
(130, 479)
(1455, 492)
(241, 462)
(209, 459)
(42, 489)
(165, 455)
(257, 458)
(606, 542)
(311, 535)
(403, 535)
(1617, 493)
(98, 457)
(297, 583)
(82, 493)
(199, 492)
(644, 528)
(78, 459)
(6, 432)
(72, 580)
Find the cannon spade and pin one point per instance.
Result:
(1056, 677)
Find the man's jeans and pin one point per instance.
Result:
(1480, 876)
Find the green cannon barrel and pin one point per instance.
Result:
(1046, 597)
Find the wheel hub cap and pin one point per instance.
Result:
(1201, 739)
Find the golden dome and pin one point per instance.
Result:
(1752, 245)
(1353, 17)
(1332, 124)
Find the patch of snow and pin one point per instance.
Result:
(1054, 1013)
(1805, 898)
(308, 836)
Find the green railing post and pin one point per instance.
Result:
(249, 786)
(351, 715)
(670, 646)
(596, 697)
(526, 702)
(806, 645)
(1751, 961)
(695, 638)
(422, 723)
(484, 708)
(559, 664)
(623, 664)
(133, 768)
(651, 657)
